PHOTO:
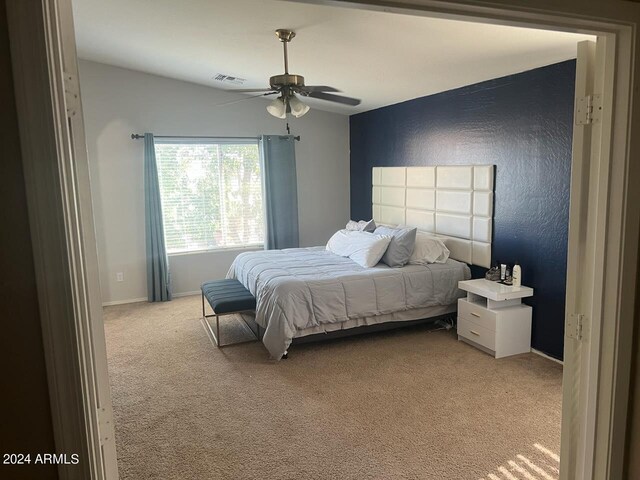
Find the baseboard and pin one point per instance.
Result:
(186, 294)
(538, 352)
(123, 302)
(144, 299)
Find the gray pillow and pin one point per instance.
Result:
(401, 247)
(362, 226)
(368, 226)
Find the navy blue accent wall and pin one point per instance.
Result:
(522, 124)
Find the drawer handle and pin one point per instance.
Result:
(475, 314)
(474, 332)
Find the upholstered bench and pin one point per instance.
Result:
(226, 297)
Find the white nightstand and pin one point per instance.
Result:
(493, 317)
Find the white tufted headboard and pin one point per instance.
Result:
(452, 202)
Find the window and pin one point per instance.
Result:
(211, 194)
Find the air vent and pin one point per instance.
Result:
(222, 78)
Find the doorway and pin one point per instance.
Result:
(601, 243)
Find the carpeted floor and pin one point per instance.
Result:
(406, 404)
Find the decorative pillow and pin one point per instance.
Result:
(428, 249)
(401, 245)
(364, 248)
(361, 226)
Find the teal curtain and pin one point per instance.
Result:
(280, 190)
(158, 280)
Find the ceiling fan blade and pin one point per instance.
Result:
(249, 90)
(318, 88)
(244, 98)
(334, 98)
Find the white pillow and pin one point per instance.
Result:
(364, 248)
(428, 249)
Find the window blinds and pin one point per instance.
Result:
(211, 195)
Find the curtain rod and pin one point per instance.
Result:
(137, 136)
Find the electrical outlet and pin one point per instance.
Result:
(120, 277)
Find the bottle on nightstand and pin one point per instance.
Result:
(516, 275)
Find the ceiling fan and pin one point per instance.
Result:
(290, 86)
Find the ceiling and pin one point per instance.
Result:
(382, 58)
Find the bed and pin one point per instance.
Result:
(304, 291)
(308, 291)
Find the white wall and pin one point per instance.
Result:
(118, 102)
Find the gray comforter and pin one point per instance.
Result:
(300, 288)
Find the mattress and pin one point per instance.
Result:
(303, 290)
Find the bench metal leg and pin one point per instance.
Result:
(215, 333)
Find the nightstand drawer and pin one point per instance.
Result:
(477, 334)
(477, 314)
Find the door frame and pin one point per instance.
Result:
(35, 29)
(56, 171)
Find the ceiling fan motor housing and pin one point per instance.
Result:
(285, 35)
(286, 80)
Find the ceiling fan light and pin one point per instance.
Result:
(277, 108)
(298, 108)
